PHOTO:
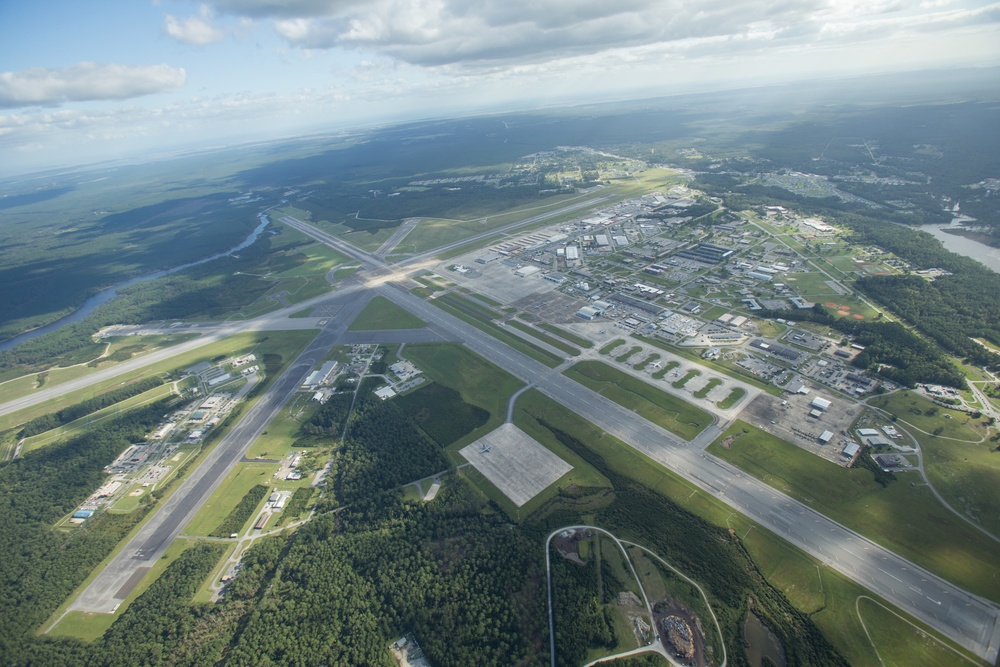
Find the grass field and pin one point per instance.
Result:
(545, 338)
(735, 395)
(913, 409)
(967, 475)
(243, 477)
(567, 335)
(479, 382)
(287, 344)
(683, 380)
(659, 407)
(380, 313)
(815, 589)
(607, 349)
(709, 386)
(905, 518)
(78, 425)
(624, 356)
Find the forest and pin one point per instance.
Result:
(949, 310)
(53, 420)
(43, 564)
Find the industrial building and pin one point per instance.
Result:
(825, 437)
(706, 253)
(820, 403)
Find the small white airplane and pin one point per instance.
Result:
(486, 449)
(656, 364)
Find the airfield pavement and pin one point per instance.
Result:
(515, 463)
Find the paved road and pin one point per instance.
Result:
(963, 617)
(114, 583)
(959, 615)
(212, 332)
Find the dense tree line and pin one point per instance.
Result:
(711, 556)
(89, 406)
(581, 623)
(42, 564)
(465, 582)
(866, 461)
(240, 514)
(381, 448)
(891, 349)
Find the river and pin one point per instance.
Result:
(105, 295)
(982, 253)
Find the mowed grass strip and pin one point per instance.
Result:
(548, 340)
(903, 517)
(568, 335)
(826, 595)
(463, 310)
(380, 313)
(655, 405)
(734, 396)
(607, 349)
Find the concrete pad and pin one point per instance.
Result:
(516, 464)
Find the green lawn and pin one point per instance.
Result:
(659, 407)
(568, 335)
(681, 381)
(380, 313)
(735, 395)
(479, 382)
(72, 428)
(545, 338)
(905, 518)
(243, 477)
(913, 409)
(709, 386)
(607, 349)
(623, 357)
(967, 475)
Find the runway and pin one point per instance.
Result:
(967, 619)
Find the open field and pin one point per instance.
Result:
(967, 475)
(915, 410)
(380, 313)
(479, 382)
(905, 518)
(813, 588)
(551, 341)
(243, 477)
(286, 344)
(661, 408)
(78, 425)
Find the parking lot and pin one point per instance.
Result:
(788, 418)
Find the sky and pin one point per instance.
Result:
(87, 81)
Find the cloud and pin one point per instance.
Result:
(487, 33)
(86, 81)
(194, 29)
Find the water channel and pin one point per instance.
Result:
(106, 295)
(982, 253)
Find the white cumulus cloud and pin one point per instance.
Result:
(195, 29)
(86, 81)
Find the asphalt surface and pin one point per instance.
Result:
(967, 619)
(105, 592)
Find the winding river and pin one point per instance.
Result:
(105, 295)
(982, 253)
